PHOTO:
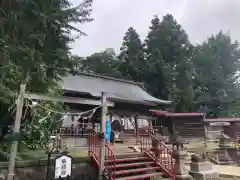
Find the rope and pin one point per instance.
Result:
(63, 113)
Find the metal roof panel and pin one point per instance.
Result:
(115, 88)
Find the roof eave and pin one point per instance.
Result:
(149, 103)
(163, 102)
(146, 103)
(170, 114)
(210, 120)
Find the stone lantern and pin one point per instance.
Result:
(179, 155)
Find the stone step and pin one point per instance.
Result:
(143, 176)
(137, 170)
(127, 159)
(127, 165)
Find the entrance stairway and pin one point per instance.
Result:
(134, 166)
(137, 167)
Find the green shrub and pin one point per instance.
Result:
(156, 178)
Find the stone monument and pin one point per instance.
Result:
(201, 169)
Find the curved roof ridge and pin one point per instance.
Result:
(107, 77)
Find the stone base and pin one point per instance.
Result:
(206, 175)
(183, 154)
(180, 169)
(200, 166)
(184, 177)
(221, 162)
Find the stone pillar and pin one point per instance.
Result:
(200, 169)
(179, 167)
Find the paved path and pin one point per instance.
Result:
(227, 170)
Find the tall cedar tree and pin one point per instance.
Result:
(154, 76)
(34, 38)
(216, 67)
(131, 56)
(167, 54)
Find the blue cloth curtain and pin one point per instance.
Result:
(108, 131)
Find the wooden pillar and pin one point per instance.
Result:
(205, 130)
(150, 123)
(71, 128)
(205, 126)
(173, 126)
(136, 128)
(102, 135)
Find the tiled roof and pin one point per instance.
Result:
(116, 89)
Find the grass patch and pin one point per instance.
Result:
(39, 154)
(78, 153)
(34, 154)
(198, 146)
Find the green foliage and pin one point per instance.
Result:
(104, 63)
(34, 49)
(132, 64)
(155, 64)
(168, 60)
(27, 154)
(14, 137)
(156, 178)
(40, 124)
(170, 67)
(216, 64)
(35, 35)
(232, 111)
(162, 63)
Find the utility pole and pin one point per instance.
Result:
(102, 134)
(17, 123)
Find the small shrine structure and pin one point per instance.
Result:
(187, 125)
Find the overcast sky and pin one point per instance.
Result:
(200, 18)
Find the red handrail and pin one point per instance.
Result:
(110, 163)
(94, 146)
(165, 158)
(94, 152)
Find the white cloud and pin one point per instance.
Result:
(200, 18)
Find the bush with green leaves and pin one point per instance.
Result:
(157, 178)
